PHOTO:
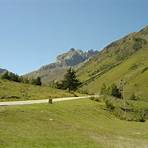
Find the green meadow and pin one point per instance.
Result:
(71, 124)
(10, 91)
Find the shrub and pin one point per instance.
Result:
(140, 116)
(36, 81)
(112, 90)
(115, 91)
(109, 104)
(119, 113)
(133, 67)
(126, 110)
(103, 89)
(144, 69)
(95, 99)
(134, 97)
(139, 42)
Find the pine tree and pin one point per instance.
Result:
(10, 76)
(70, 81)
(38, 81)
(14, 77)
(5, 75)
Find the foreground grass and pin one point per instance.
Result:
(18, 91)
(70, 124)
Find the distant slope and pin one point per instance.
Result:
(125, 59)
(2, 70)
(18, 91)
(55, 71)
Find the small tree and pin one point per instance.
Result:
(5, 75)
(58, 85)
(115, 91)
(14, 77)
(10, 76)
(38, 81)
(70, 81)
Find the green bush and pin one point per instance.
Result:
(115, 91)
(112, 90)
(140, 116)
(126, 110)
(36, 81)
(10, 76)
(139, 42)
(133, 67)
(109, 105)
(103, 89)
(97, 99)
(134, 97)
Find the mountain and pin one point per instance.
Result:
(125, 59)
(74, 57)
(2, 70)
(55, 71)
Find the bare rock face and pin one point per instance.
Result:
(74, 57)
(2, 70)
(55, 71)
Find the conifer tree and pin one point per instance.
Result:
(70, 81)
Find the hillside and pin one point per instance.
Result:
(55, 71)
(10, 90)
(125, 59)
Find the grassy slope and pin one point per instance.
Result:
(117, 61)
(27, 91)
(71, 124)
(111, 55)
(136, 80)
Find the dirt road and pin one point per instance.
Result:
(13, 103)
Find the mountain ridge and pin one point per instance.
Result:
(55, 71)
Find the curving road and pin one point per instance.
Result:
(13, 103)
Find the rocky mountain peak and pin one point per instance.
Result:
(75, 56)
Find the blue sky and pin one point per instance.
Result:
(34, 32)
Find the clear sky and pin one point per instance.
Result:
(34, 32)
